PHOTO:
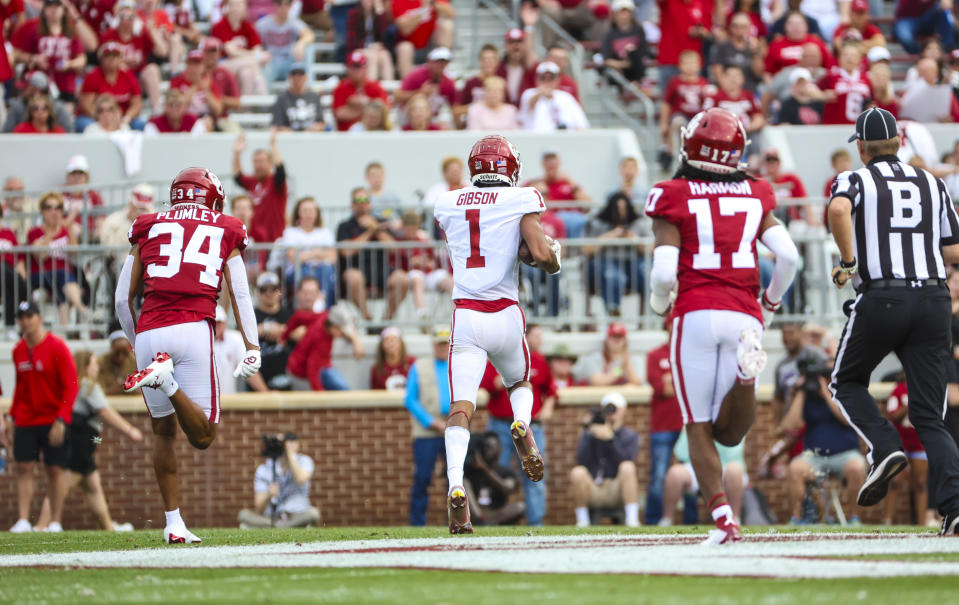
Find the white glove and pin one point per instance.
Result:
(662, 304)
(249, 366)
(558, 251)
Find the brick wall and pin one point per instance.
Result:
(363, 468)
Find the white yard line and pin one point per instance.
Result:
(760, 555)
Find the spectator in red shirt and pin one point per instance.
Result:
(859, 29)
(560, 56)
(562, 188)
(788, 186)
(880, 83)
(139, 41)
(685, 24)
(110, 78)
(222, 79)
(310, 302)
(787, 51)
(310, 359)
(175, 117)
(752, 9)
(420, 265)
(40, 118)
(518, 66)
(41, 411)
(201, 93)
(488, 66)
(14, 273)
(732, 97)
(12, 10)
(665, 423)
(561, 362)
(51, 269)
(684, 98)
(354, 92)
(243, 48)
(392, 364)
(368, 30)
(268, 187)
(431, 82)
(846, 88)
(79, 197)
(50, 43)
(841, 161)
(421, 25)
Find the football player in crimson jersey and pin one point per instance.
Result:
(485, 225)
(706, 221)
(180, 259)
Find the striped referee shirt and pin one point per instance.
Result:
(901, 217)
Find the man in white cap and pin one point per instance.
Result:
(605, 472)
(545, 108)
(228, 351)
(804, 104)
(78, 199)
(431, 81)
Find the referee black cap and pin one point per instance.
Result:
(875, 124)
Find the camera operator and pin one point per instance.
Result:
(281, 486)
(489, 485)
(605, 472)
(830, 445)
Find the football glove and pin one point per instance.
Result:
(249, 366)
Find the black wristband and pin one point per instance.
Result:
(844, 265)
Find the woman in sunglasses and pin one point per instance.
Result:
(40, 117)
(51, 268)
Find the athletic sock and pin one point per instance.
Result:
(723, 511)
(169, 387)
(582, 516)
(457, 442)
(173, 518)
(632, 513)
(521, 400)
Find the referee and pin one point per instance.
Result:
(896, 229)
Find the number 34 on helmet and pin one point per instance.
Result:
(197, 186)
(714, 140)
(493, 159)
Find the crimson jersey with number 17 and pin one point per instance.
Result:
(718, 225)
(183, 251)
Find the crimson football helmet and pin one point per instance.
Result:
(493, 159)
(714, 140)
(197, 186)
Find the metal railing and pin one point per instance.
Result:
(406, 283)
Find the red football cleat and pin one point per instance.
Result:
(154, 375)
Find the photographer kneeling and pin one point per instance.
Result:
(830, 445)
(281, 486)
(605, 472)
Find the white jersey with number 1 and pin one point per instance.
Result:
(483, 236)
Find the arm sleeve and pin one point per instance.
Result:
(777, 239)
(240, 290)
(412, 399)
(665, 267)
(949, 228)
(121, 301)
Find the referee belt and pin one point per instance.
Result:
(902, 283)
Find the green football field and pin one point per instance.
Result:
(405, 565)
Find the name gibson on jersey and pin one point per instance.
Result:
(739, 188)
(476, 198)
(194, 214)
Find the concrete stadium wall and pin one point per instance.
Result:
(325, 165)
(362, 448)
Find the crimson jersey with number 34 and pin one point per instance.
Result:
(183, 251)
(718, 225)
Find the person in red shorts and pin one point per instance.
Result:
(421, 25)
(242, 46)
(110, 78)
(267, 186)
(897, 410)
(354, 92)
(41, 411)
(139, 43)
(846, 88)
(49, 43)
(859, 29)
(683, 98)
(392, 363)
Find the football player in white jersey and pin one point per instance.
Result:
(485, 225)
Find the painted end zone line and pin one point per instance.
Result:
(760, 555)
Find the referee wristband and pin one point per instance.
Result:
(849, 267)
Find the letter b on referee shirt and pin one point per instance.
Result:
(906, 204)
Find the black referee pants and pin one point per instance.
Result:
(915, 324)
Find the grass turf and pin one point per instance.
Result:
(381, 586)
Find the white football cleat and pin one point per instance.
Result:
(750, 355)
(22, 526)
(153, 376)
(179, 535)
